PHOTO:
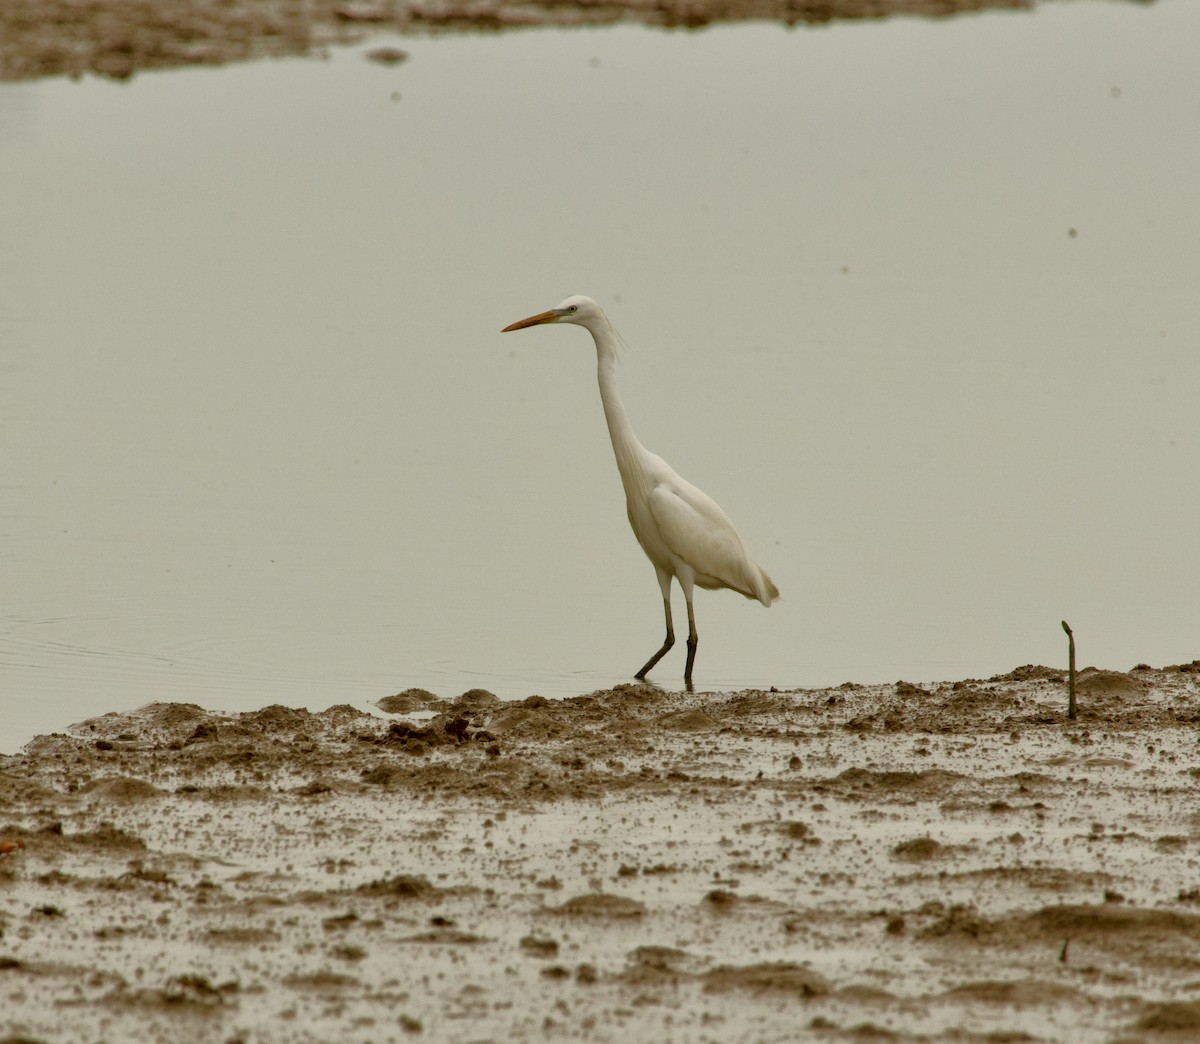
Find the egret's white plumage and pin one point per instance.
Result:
(683, 531)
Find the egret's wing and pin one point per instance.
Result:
(696, 530)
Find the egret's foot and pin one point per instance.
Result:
(641, 675)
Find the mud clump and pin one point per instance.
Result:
(1109, 920)
(445, 729)
(1023, 993)
(688, 721)
(1030, 672)
(402, 886)
(930, 785)
(408, 701)
(918, 850)
(767, 978)
(600, 906)
(540, 947)
(1181, 1018)
(121, 790)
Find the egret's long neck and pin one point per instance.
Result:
(626, 447)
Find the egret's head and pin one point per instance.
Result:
(580, 310)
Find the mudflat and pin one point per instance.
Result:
(117, 38)
(951, 862)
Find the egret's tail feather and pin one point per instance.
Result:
(767, 591)
(754, 584)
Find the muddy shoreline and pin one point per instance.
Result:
(957, 862)
(118, 38)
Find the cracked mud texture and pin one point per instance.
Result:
(952, 862)
(117, 38)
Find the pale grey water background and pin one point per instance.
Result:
(262, 441)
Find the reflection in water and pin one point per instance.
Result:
(262, 441)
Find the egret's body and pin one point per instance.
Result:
(683, 531)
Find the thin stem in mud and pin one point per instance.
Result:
(1070, 671)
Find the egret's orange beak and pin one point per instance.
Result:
(534, 320)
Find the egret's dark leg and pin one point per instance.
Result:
(693, 640)
(670, 640)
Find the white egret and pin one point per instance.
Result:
(684, 533)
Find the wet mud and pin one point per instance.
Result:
(953, 862)
(117, 38)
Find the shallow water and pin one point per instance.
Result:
(915, 301)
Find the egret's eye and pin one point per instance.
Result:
(573, 308)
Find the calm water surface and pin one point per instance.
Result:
(915, 301)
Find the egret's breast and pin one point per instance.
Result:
(648, 534)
